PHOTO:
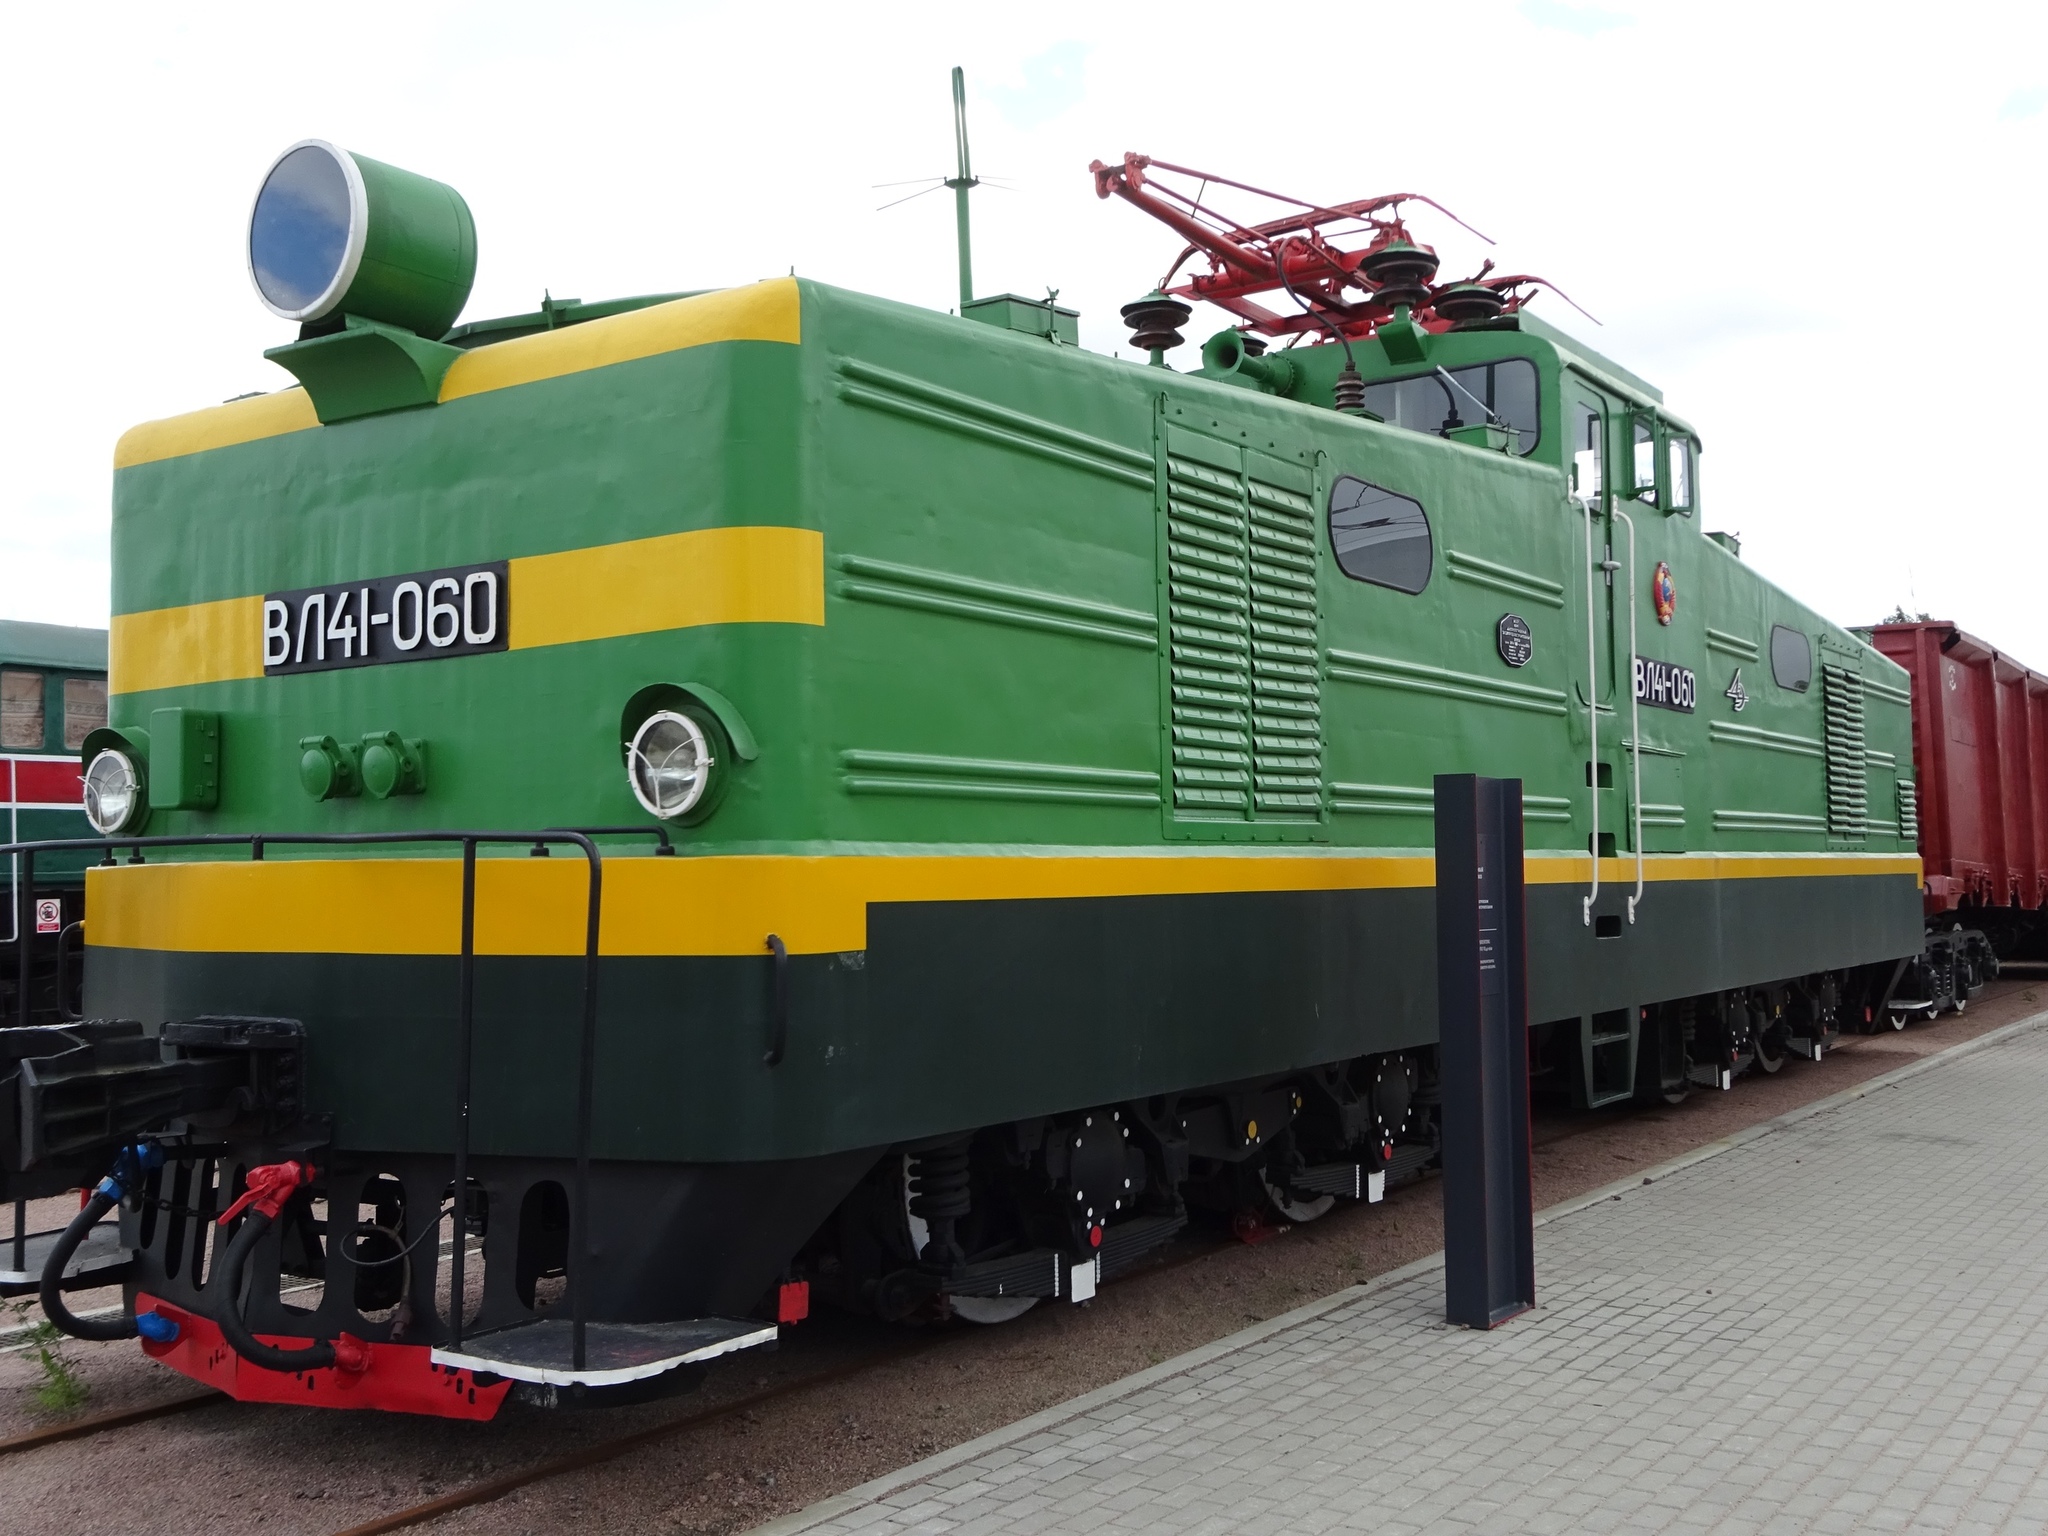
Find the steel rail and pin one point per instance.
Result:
(115, 1418)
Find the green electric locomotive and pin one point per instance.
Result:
(736, 797)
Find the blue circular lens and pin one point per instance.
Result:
(298, 235)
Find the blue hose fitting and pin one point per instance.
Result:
(130, 1164)
(157, 1328)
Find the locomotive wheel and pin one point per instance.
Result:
(1898, 1021)
(1289, 1206)
(985, 1310)
(989, 1310)
(1769, 1043)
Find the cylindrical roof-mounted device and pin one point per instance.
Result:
(336, 233)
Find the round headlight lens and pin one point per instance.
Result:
(113, 792)
(669, 764)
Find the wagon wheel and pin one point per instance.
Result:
(1897, 1018)
(1291, 1205)
(1769, 1043)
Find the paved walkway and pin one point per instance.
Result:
(1837, 1324)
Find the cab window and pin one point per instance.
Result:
(1645, 458)
(21, 710)
(1678, 453)
(1588, 425)
(85, 709)
(1423, 402)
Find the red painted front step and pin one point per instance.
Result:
(399, 1378)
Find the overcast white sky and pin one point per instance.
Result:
(1816, 227)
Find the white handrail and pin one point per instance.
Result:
(1592, 715)
(1635, 713)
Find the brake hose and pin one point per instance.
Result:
(130, 1164)
(269, 1188)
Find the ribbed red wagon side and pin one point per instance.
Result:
(1980, 758)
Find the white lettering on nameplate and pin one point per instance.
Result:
(460, 611)
(1664, 686)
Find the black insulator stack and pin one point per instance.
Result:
(1463, 303)
(1401, 272)
(1155, 322)
(1349, 394)
(939, 1194)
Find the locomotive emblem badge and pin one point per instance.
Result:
(1737, 694)
(1515, 642)
(1664, 593)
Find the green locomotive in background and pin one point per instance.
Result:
(1043, 743)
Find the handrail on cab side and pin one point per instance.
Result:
(256, 842)
(1592, 715)
(1635, 715)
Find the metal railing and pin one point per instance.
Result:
(256, 842)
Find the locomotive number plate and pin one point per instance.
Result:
(1662, 685)
(459, 611)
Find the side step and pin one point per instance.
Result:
(100, 1260)
(614, 1353)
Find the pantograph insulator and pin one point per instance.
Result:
(1348, 396)
(1155, 322)
(1400, 272)
(1462, 303)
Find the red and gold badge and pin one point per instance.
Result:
(1664, 593)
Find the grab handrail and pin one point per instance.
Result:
(1635, 714)
(1592, 716)
(579, 1219)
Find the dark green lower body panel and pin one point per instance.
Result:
(962, 1014)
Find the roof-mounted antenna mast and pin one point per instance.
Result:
(961, 184)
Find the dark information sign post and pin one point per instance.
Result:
(1482, 990)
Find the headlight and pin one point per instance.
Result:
(113, 792)
(669, 764)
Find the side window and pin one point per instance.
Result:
(1679, 451)
(1588, 428)
(21, 710)
(85, 709)
(1380, 537)
(1791, 658)
(1645, 457)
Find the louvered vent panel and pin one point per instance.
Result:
(1909, 812)
(1287, 716)
(1209, 595)
(1848, 784)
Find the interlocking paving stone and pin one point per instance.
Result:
(1841, 1325)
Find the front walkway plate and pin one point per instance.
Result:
(613, 1352)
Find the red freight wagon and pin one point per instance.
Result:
(1980, 755)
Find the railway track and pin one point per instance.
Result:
(490, 1489)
